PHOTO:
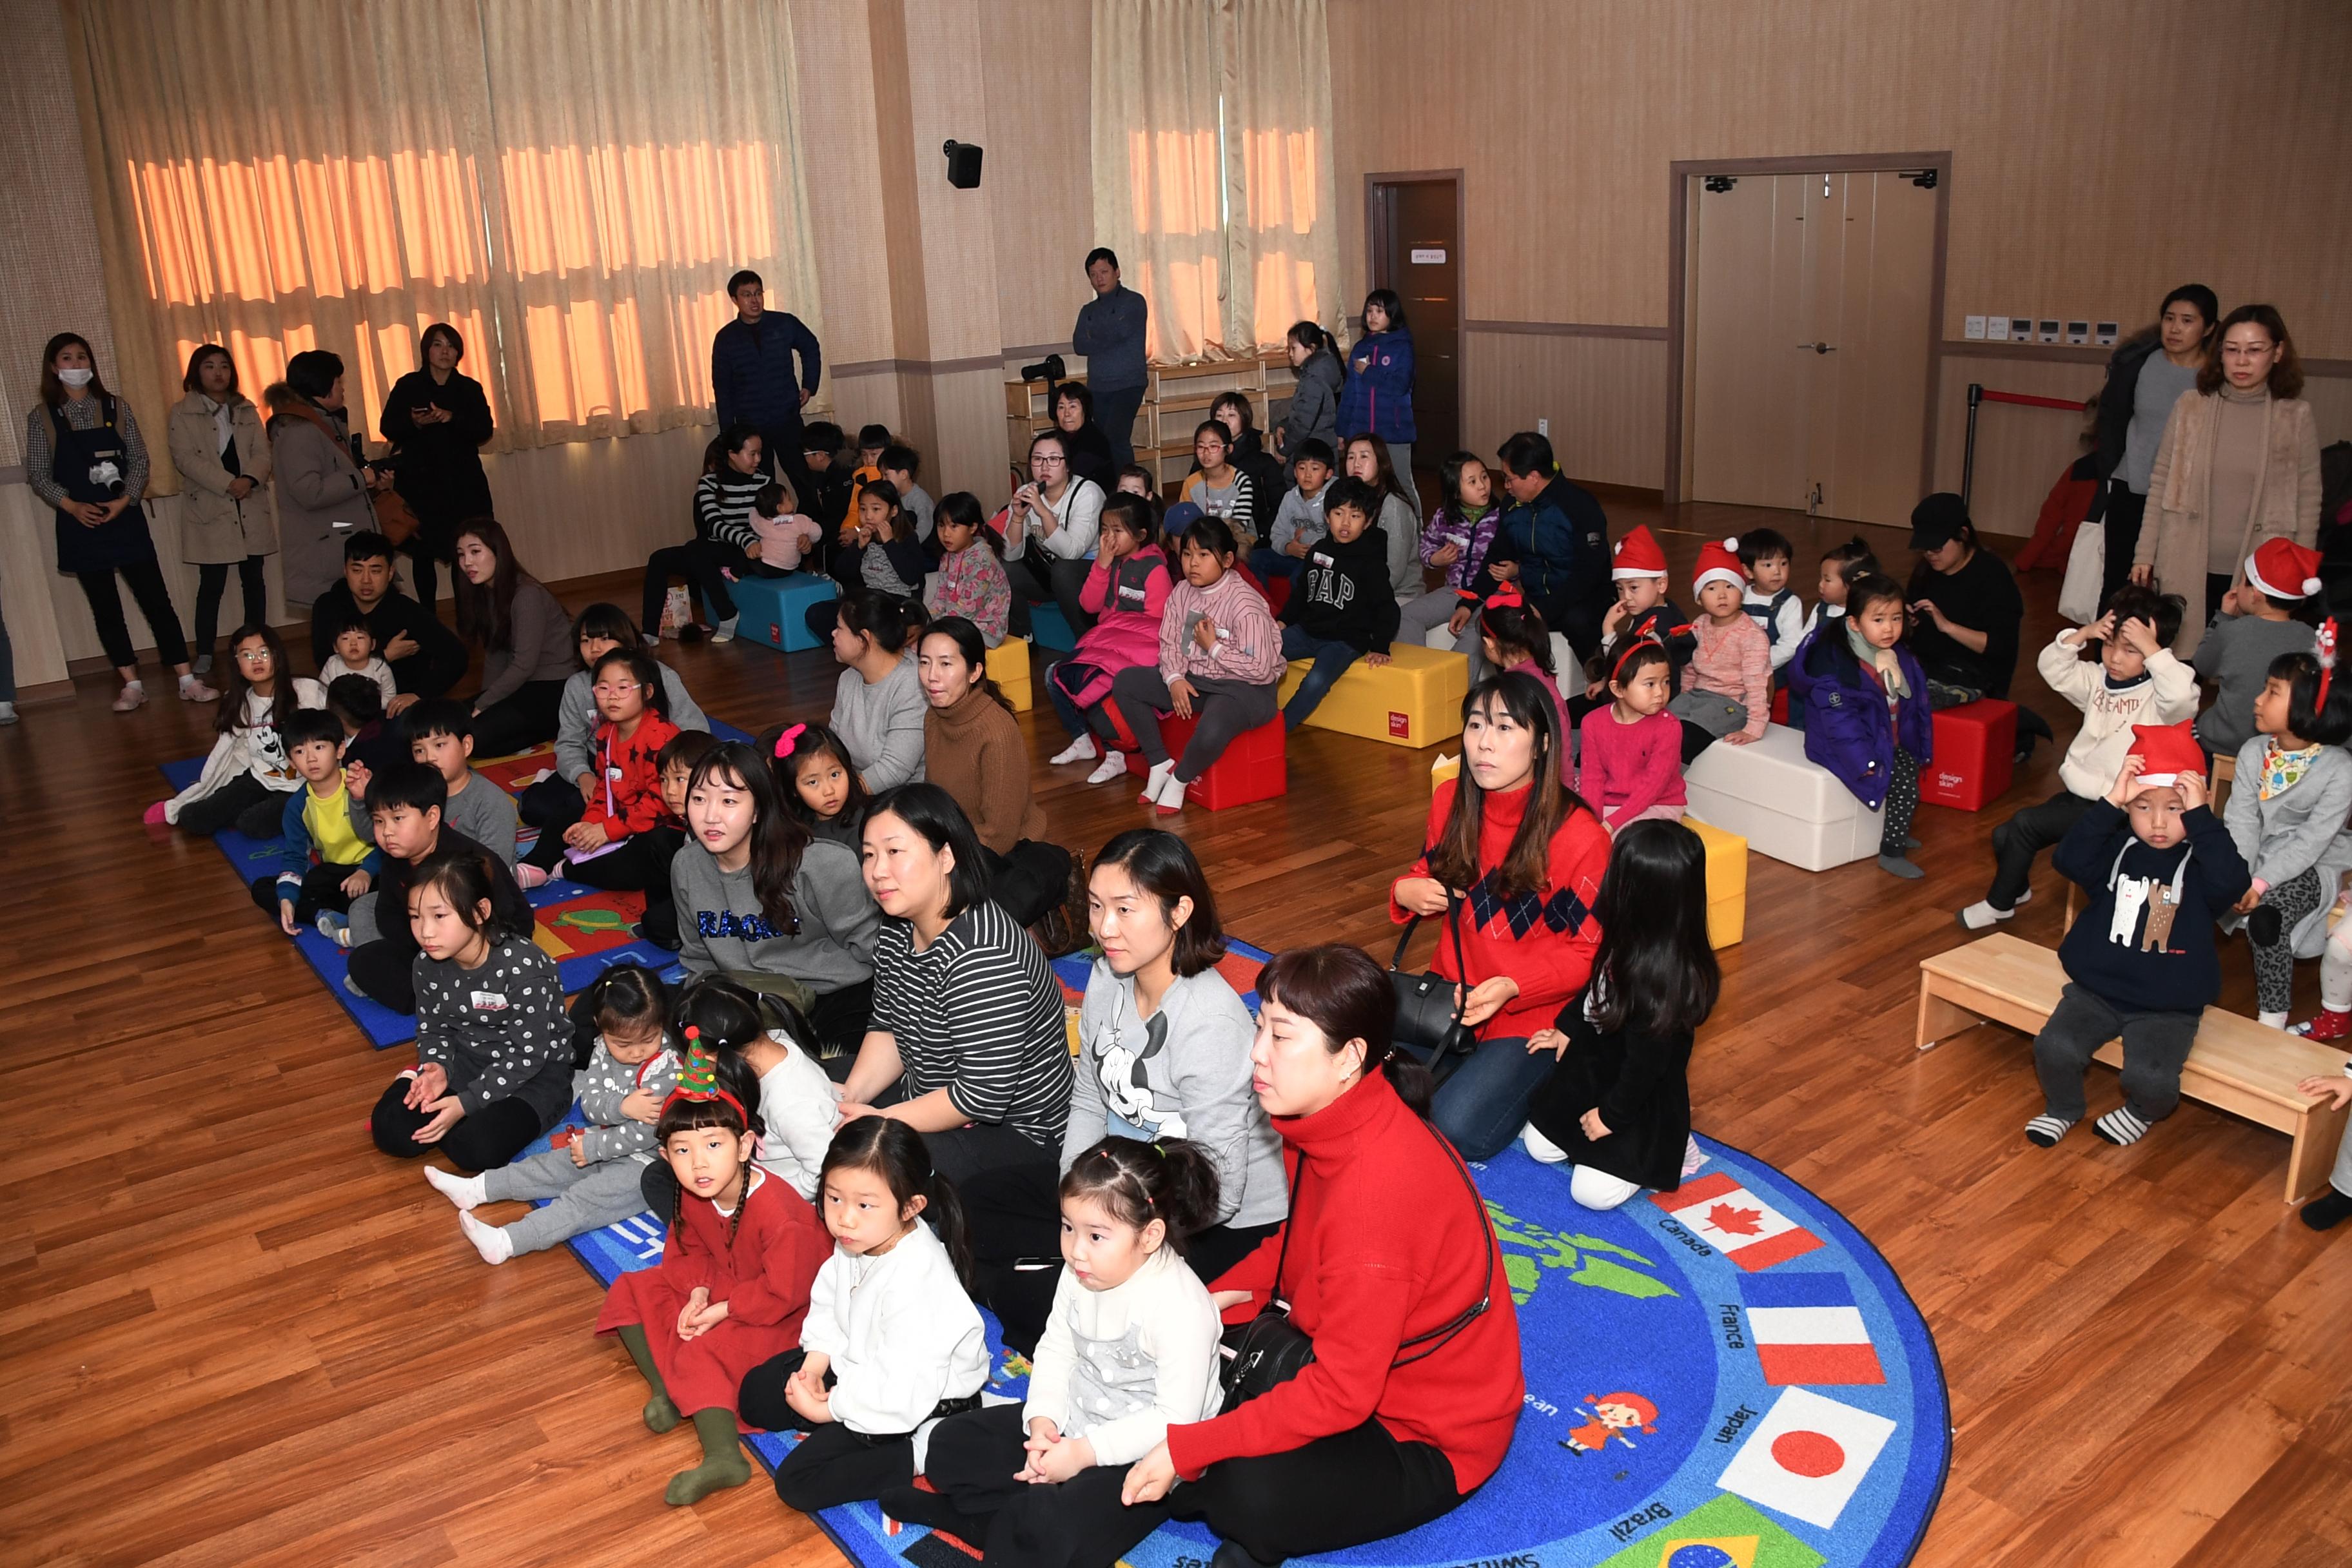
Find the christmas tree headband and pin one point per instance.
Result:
(698, 1080)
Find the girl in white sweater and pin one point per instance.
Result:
(1131, 1348)
(892, 1343)
(247, 777)
(2120, 672)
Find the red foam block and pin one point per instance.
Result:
(1254, 768)
(1976, 750)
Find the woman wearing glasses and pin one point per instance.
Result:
(1049, 533)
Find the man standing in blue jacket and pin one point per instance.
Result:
(1554, 540)
(752, 379)
(1111, 334)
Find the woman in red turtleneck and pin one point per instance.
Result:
(1408, 1403)
(1523, 855)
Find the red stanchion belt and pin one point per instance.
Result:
(2072, 406)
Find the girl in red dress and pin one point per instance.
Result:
(733, 1282)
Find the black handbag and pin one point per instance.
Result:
(1270, 1350)
(1428, 1009)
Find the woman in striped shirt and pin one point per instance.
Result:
(968, 1043)
(723, 538)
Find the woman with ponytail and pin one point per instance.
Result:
(1389, 1268)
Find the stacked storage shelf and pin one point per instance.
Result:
(1175, 401)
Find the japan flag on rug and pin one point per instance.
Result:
(1729, 1218)
(1807, 1329)
(1808, 1455)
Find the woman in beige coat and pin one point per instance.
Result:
(2239, 464)
(225, 521)
(324, 494)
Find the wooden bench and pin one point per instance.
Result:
(2237, 1065)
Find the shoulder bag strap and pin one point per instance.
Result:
(1435, 1339)
(1290, 1223)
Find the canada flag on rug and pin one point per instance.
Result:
(1808, 1457)
(1734, 1221)
(1807, 1329)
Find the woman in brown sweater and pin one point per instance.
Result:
(974, 750)
(2239, 464)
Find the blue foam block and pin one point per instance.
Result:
(1047, 628)
(774, 610)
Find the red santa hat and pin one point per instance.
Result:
(1718, 562)
(2166, 752)
(2283, 569)
(1638, 554)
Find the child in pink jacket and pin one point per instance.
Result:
(1727, 691)
(1631, 764)
(1127, 590)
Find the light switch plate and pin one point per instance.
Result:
(1973, 328)
(1997, 329)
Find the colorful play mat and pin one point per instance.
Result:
(1725, 1376)
(584, 930)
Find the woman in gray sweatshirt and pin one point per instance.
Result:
(878, 706)
(1164, 1052)
(764, 904)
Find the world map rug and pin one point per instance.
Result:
(1725, 1376)
(584, 928)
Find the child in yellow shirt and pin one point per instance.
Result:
(320, 817)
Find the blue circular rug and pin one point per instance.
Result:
(1725, 1376)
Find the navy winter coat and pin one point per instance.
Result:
(1847, 728)
(1377, 399)
(751, 377)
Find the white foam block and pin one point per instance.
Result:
(1784, 804)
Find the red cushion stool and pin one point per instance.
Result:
(1255, 767)
(1976, 747)
(1781, 705)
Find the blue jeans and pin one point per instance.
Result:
(1269, 563)
(1481, 1108)
(1331, 661)
(1077, 721)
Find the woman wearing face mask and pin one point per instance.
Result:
(2239, 464)
(1163, 1052)
(2149, 372)
(324, 495)
(436, 420)
(85, 458)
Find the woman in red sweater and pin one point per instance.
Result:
(1517, 858)
(1391, 1269)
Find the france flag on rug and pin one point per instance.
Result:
(1808, 1329)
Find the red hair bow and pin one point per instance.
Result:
(785, 741)
(1504, 599)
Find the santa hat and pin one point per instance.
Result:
(1638, 555)
(2166, 752)
(1718, 562)
(2283, 569)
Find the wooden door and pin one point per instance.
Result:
(1417, 251)
(1810, 322)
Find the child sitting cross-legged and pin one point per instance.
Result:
(404, 804)
(1866, 715)
(892, 1344)
(732, 1287)
(2140, 959)
(319, 816)
(618, 842)
(2120, 672)
(1726, 687)
(2286, 815)
(441, 735)
(1131, 1348)
(1631, 768)
(592, 1172)
(1344, 609)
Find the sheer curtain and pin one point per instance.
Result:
(1213, 172)
(567, 182)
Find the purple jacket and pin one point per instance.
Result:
(1847, 728)
(1446, 527)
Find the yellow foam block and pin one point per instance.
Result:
(1727, 883)
(1444, 768)
(1413, 701)
(1008, 665)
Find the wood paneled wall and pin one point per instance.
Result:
(2103, 152)
(1605, 397)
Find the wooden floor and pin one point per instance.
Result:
(230, 1332)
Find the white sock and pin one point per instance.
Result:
(489, 1240)
(1113, 765)
(2270, 1020)
(2122, 1126)
(2336, 971)
(1160, 775)
(1982, 916)
(465, 1192)
(1081, 750)
(1171, 796)
(1539, 1147)
(2045, 1129)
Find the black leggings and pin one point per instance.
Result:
(702, 563)
(212, 587)
(833, 1464)
(521, 721)
(385, 973)
(321, 888)
(146, 582)
(2017, 842)
(482, 1140)
(1342, 1490)
(1030, 880)
(553, 803)
(245, 803)
(1077, 1524)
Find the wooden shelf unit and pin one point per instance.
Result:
(1175, 400)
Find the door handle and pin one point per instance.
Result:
(1819, 348)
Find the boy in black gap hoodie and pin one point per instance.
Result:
(1344, 609)
(2160, 870)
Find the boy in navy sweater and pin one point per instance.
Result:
(2160, 870)
(1344, 609)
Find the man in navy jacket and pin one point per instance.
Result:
(753, 378)
(1556, 536)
